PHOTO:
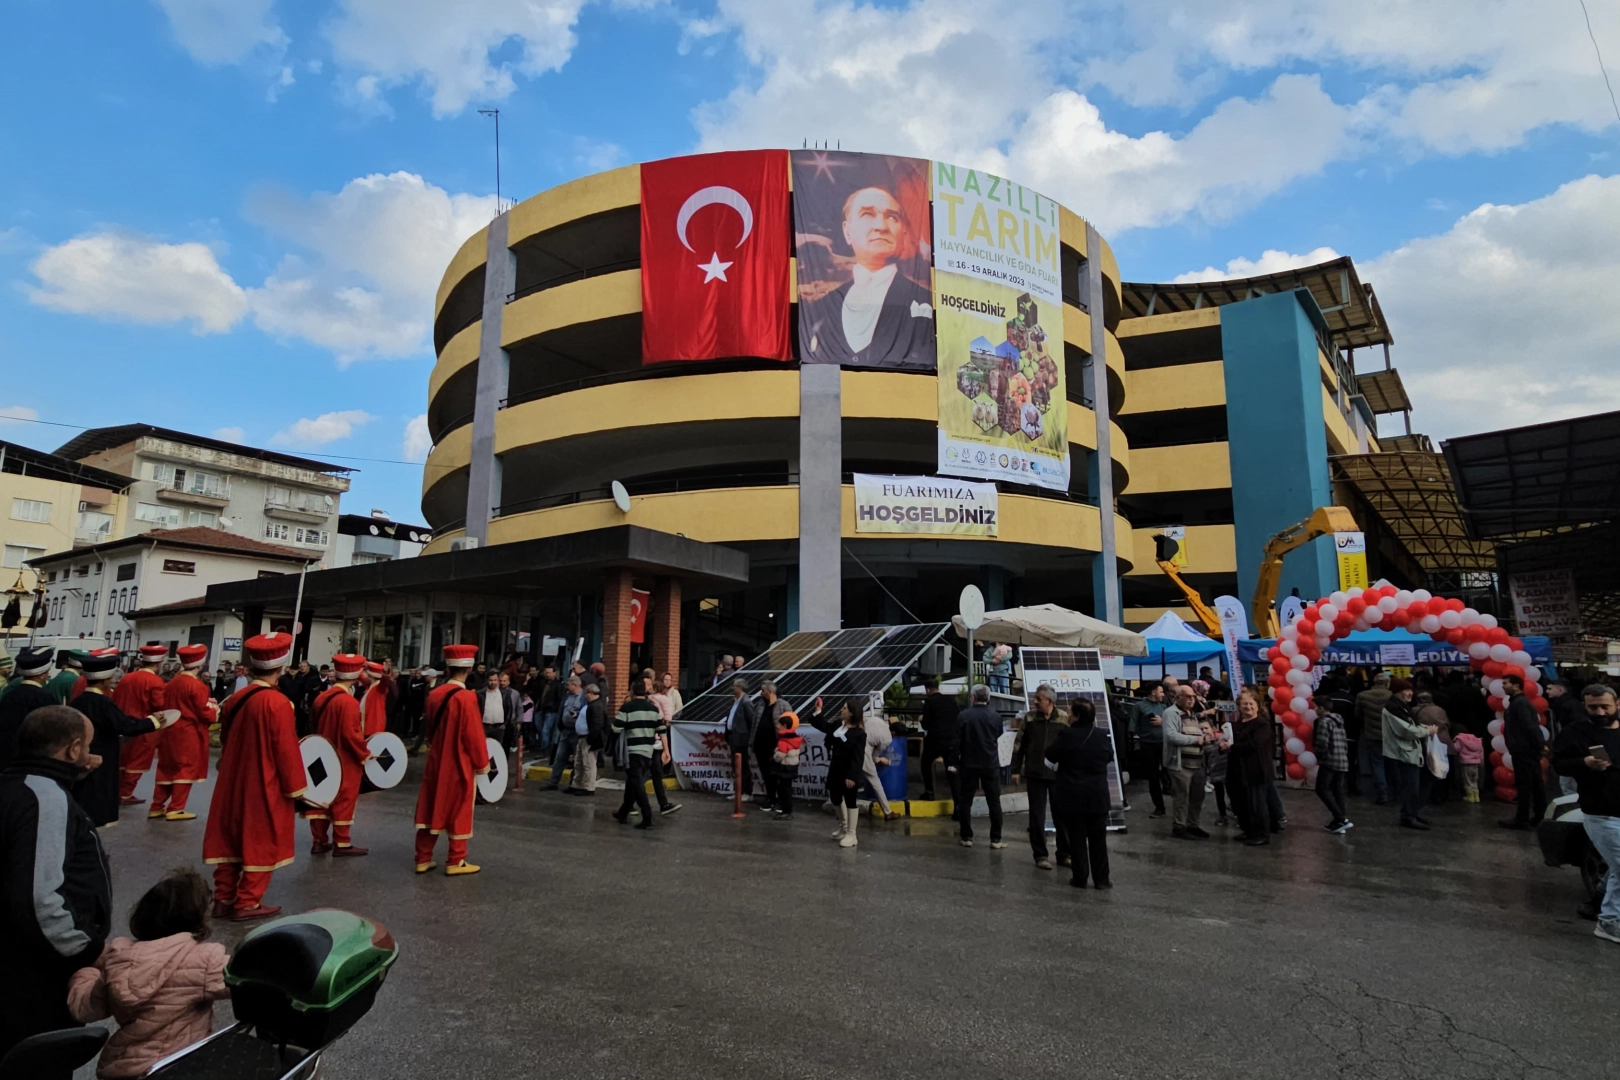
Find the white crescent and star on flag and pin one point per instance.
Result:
(715, 195)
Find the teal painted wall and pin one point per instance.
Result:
(1276, 435)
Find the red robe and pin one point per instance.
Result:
(374, 710)
(458, 753)
(139, 693)
(183, 746)
(252, 818)
(338, 722)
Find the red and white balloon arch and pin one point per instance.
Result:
(1492, 652)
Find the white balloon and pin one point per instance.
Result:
(1298, 705)
(1507, 758)
(1389, 605)
(1300, 663)
(1361, 624)
(1290, 632)
(1429, 623)
(1337, 598)
(1373, 616)
(1297, 677)
(1478, 650)
(1403, 597)
(1288, 649)
(1500, 653)
(1309, 716)
(1307, 759)
(1329, 611)
(1499, 744)
(1494, 727)
(1451, 619)
(1422, 594)
(1495, 687)
(1532, 674)
(1545, 734)
(1520, 657)
(1488, 622)
(1310, 775)
(1469, 616)
(1354, 590)
(1295, 747)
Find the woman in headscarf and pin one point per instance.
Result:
(1081, 754)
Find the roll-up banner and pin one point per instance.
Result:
(924, 504)
(998, 313)
(861, 239)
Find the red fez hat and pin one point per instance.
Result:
(267, 652)
(460, 655)
(375, 668)
(156, 654)
(347, 666)
(192, 655)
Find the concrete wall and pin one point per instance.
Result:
(1275, 432)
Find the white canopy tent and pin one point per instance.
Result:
(1056, 628)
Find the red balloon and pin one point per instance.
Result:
(1302, 731)
(1280, 664)
(1495, 760)
(1515, 644)
(1491, 669)
(1398, 617)
(1417, 609)
(1474, 633)
(1296, 771)
(1343, 623)
(1512, 669)
(1276, 681)
(1495, 704)
(1496, 636)
(1503, 776)
(1288, 718)
(1507, 795)
(1539, 704)
(1355, 605)
(1458, 636)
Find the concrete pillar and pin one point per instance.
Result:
(494, 366)
(617, 587)
(666, 626)
(821, 499)
(1105, 567)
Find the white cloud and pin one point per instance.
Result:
(1271, 261)
(11, 414)
(115, 275)
(376, 251)
(325, 428)
(223, 31)
(449, 48)
(1506, 319)
(230, 434)
(417, 440)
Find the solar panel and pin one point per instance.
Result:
(902, 645)
(844, 649)
(791, 651)
(858, 682)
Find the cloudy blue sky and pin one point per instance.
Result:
(231, 216)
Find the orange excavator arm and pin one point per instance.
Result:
(1323, 521)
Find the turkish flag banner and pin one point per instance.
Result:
(714, 257)
(639, 599)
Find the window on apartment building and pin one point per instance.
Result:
(82, 571)
(310, 536)
(50, 578)
(187, 479)
(274, 530)
(202, 517)
(126, 571)
(17, 554)
(98, 568)
(30, 510)
(84, 606)
(94, 525)
(179, 566)
(134, 605)
(166, 516)
(363, 558)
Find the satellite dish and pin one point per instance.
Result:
(328, 499)
(621, 497)
(972, 607)
(224, 522)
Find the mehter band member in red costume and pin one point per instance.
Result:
(182, 752)
(337, 720)
(139, 693)
(374, 700)
(252, 819)
(458, 753)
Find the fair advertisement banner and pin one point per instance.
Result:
(700, 756)
(1234, 628)
(1352, 551)
(1544, 603)
(998, 312)
(924, 504)
(1077, 674)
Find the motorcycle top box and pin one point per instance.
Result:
(305, 979)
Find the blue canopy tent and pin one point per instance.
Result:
(1393, 648)
(1171, 642)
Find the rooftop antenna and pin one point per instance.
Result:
(496, 113)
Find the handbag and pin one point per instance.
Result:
(1439, 763)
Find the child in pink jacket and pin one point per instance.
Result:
(160, 987)
(1471, 752)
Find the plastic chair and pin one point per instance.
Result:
(53, 1053)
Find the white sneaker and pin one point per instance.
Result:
(1608, 930)
(1346, 827)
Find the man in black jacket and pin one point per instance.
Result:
(55, 896)
(740, 731)
(940, 723)
(1587, 749)
(979, 764)
(766, 714)
(1521, 730)
(23, 697)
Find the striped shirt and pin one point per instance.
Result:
(641, 723)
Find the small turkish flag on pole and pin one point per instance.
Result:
(714, 257)
(639, 599)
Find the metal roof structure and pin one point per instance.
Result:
(830, 664)
(1413, 493)
(26, 461)
(1540, 479)
(95, 440)
(1350, 307)
(1383, 391)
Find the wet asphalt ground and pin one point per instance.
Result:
(755, 949)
